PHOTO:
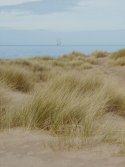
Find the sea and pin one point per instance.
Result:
(25, 51)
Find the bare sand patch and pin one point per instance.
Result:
(22, 148)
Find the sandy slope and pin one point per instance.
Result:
(26, 149)
(19, 148)
(116, 72)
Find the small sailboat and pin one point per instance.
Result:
(59, 43)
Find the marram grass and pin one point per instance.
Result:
(63, 97)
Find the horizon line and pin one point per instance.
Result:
(62, 45)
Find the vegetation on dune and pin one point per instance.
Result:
(72, 56)
(5, 101)
(73, 99)
(63, 101)
(67, 96)
(118, 54)
(118, 58)
(118, 62)
(16, 78)
(78, 57)
(99, 54)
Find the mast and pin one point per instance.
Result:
(59, 43)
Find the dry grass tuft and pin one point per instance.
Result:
(73, 56)
(73, 104)
(118, 58)
(119, 54)
(5, 101)
(16, 78)
(99, 54)
(118, 62)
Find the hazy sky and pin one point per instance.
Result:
(62, 15)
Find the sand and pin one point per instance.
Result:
(19, 148)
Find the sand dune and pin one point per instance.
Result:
(67, 111)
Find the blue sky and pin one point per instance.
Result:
(62, 15)
(72, 21)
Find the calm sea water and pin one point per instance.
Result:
(20, 51)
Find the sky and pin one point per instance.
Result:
(62, 16)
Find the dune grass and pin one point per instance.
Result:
(117, 58)
(5, 101)
(59, 103)
(67, 96)
(118, 54)
(16, 78)
(99, 54)
(118, 62)
(76, 107)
